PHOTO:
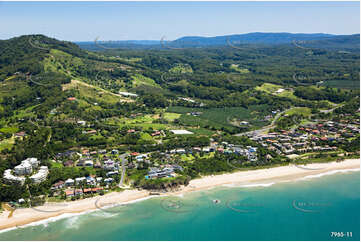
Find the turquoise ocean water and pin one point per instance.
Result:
(302, 210)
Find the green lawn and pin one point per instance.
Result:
(146, 136)
(222, 116)
(269, 87)
(9, 130)
(138, 80)
(272, 88)
(171, 116)
(301, 110)
(7, 143)
(238, 69)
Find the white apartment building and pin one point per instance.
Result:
(40, 175)
(11, 178)
(26, 167)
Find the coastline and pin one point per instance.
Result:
(260, 177)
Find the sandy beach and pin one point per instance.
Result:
(262, 176)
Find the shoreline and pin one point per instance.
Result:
(262, 177)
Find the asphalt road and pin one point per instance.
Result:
(123, 159)
(266, 128)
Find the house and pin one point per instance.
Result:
(243, 123)
(68, 163)
(88, 163)
(58, 185)
(195, 113)
(81, 122)
(181, 131)
(87, 190)
(20, 134)
(280, 90)
(97, 189)
(115, 152)
(102, 151)
(140, 157)
(69, 182)
(69, 193)
(79, 180)
(85, 152)
(128, 94)
(220, 149)
(156, 133)
(90, 180)
(78, 192)
(180, 151)
(109, 165)
(206, 149)
(108, 180)
(71, 99)
(112, 173)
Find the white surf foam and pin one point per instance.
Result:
(251, 185)
(329, 173)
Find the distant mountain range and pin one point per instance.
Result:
(317, 40)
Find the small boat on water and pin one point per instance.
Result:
(216, 201)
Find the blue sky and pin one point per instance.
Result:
(84, 21)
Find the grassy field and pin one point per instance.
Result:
(146, 136)
(223, 116)
(301, 110)
(145, 122)
(14, 87)
(181, 68)
(138, 80)
(272, 88)
(238, 69)
(98, 94)
(171, 116)
(59, 61)
(269, 87)
(9, 130)
(7, 143)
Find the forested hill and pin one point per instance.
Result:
(254, 38)
(318, 40)
(25, 53)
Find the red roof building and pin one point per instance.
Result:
(69, 193)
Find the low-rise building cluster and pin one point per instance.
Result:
(313, 137)
(26, 167)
